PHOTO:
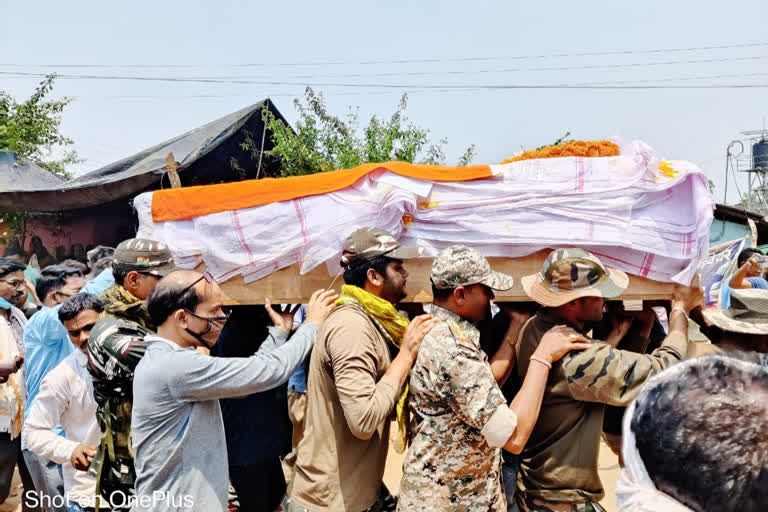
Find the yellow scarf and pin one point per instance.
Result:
(392, 326)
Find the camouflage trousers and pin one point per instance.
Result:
(385, 503)
(531, 504)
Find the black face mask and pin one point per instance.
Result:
(199, 335)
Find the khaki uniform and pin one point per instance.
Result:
(559, 463)
(454, 396)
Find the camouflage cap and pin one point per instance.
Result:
(459, 265)
(747, 313)
(144, 255)
(571, 273)
(367, 243)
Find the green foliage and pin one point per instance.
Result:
(15, 231)
(31, 129)
(324, 142)
(562, 140)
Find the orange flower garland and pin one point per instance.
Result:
(589, 148)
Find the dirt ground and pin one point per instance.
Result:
(608, 467)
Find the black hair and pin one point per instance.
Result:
(99, 252)
(701, 434)
(9, 266)
(169, 296)
(745, 254)
(82, 267)
(12, 250)
(101, 265)
(76, 304)
(441, 294)
(54, 277)
(120, 271)
(357, 273)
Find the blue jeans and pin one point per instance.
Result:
(509, 466)
(47, 477)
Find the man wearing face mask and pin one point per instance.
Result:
(178, 434)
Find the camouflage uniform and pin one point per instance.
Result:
(120, 303)
(450, 465)
(558, 467)
(114, 349)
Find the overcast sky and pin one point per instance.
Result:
(418, 47)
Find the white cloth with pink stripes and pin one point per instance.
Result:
(636, 212)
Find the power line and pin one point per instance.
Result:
(247, 79)
(407, 61)
(399, 86)
(675, 79)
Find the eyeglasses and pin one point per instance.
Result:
(203, 277)
(64, 294)
(13, 284)
(223, 318)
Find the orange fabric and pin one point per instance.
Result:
(587, 148)
(185, 203)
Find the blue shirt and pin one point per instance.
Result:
(177, 428)
(46, 344)
(98, 284)
(298, 380)
(757, 282)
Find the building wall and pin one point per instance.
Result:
(725, 231)
(71, 234)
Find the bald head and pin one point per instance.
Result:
(181, 289)
(187, 309)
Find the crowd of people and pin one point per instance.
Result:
(132, 386)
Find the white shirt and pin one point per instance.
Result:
(65, 398)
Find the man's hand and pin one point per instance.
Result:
(518, 315)
(753, 266)
(688, 297)
(415, 333)
(283, 317)
(558, 341)
(320, 305)
(81, 456)
(620, 325)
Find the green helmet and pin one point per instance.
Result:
(115, 347)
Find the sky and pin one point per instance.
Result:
(365, 54)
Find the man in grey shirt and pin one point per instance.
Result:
(178, 433)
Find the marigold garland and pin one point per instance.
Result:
(588, 148)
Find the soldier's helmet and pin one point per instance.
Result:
(115, 347)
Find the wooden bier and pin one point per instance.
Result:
(287, 286)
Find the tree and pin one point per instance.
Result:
(31, 129)
(323, 142)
